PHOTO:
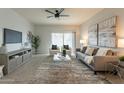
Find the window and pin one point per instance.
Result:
(61, 39)
(57, 39)
(68, 39)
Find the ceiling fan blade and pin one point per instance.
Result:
(64, 15)
(49, 11)
(49, 16)
(62, 9)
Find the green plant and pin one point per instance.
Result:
(121, 58)
(35, 40)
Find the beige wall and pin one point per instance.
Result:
(11, 20)
(45, 35)
(105, 13)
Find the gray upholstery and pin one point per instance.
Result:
(80, 55)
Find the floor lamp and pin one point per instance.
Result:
(120, 46)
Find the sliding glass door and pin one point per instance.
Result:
(67, 39)
(61, 39)
(57, 39)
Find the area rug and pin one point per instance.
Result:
(70, 72)
(42, 70)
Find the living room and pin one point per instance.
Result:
(39, 67)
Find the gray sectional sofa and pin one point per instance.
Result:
(96, 58)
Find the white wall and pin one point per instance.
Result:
(45, 35)
(11, 20)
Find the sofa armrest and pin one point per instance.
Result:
(101, 62)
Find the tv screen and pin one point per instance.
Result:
(12, 36)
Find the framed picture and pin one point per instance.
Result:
(93, 35)
(107, 33)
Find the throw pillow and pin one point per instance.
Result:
(95, 51)
(88, 59)
(110, 53)
(66, 47)
(102, 52)
(89, 51)
(54, 47)
(84, 49)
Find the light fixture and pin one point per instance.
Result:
(82, 41)
(121, 43)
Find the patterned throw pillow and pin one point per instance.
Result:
(89, 51)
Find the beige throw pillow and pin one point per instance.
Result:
(89, 51)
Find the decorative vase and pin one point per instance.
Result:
(64, 52)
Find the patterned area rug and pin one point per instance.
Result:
(42, 70)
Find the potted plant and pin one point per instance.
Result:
(35, 42)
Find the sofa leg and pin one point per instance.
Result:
(95, 72)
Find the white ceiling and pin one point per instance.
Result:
(38, 16)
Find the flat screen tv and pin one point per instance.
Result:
(12, 36)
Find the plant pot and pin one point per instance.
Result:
(36, 51)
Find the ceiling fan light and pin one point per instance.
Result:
(57, 14)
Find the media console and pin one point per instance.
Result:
(14, 59)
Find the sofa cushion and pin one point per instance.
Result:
(89, 51)
(54, 47)
(83, 50)
(102, 52)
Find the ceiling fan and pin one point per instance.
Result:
(57, 13)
